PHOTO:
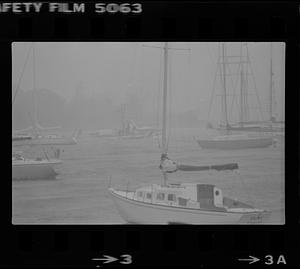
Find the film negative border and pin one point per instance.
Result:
(173, 20)
(179, 246)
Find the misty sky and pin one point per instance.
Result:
(120, 69)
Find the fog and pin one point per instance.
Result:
(84, 84)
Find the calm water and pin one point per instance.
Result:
(79, 193)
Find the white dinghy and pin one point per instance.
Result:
(23, 168)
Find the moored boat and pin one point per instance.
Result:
(182, 203)
(238, 141)
(231, 141)
(45, 140)
(23, 168)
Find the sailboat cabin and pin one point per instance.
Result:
(205, 196)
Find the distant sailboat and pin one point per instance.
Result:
(128, 130)
(28, 168)
(229, 141)
(271, 125)
(34, 135)
(132, 131)
(38, 139)
(182, 203)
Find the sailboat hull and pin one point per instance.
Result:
(34, 170)
(45, 141)
(133, 211)
(257, 129)
(230, 144)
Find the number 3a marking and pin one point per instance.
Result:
(127, 259)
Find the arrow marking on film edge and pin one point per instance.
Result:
(251, 260)
(107, 259)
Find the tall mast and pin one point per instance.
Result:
(271, 88)
(224, 86)
(165, 90)
(242, 98)
(246, 83)
(164, 122)
(35, 120)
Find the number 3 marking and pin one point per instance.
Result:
(127, 259)
(270, 259)
(138, 8)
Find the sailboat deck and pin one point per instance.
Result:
(177, 197)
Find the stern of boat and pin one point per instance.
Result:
(258, 217)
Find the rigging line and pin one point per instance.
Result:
(255, 87)
(239, 70)
(141, 69)
(235, 83)
(45, 154)
(246, 87)
(21, 76)
(189, 78)
(230, 82)
(274, 96)
(233, 92)
(214, 81)
(221, 84)
(213, 92)
(224, 85)
(35, 121)
(159, 86)
(170, 101)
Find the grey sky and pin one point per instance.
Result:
(120, 68)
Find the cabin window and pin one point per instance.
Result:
(140, 194)
(160, 196)
(182, 201)
(149, 195)
(217, 193)
(171, 197)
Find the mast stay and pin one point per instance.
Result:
(167, 165)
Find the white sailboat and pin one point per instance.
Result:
(229, 141)
(25, 168)
(28, 168)
(272, 125)
(183, 203)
